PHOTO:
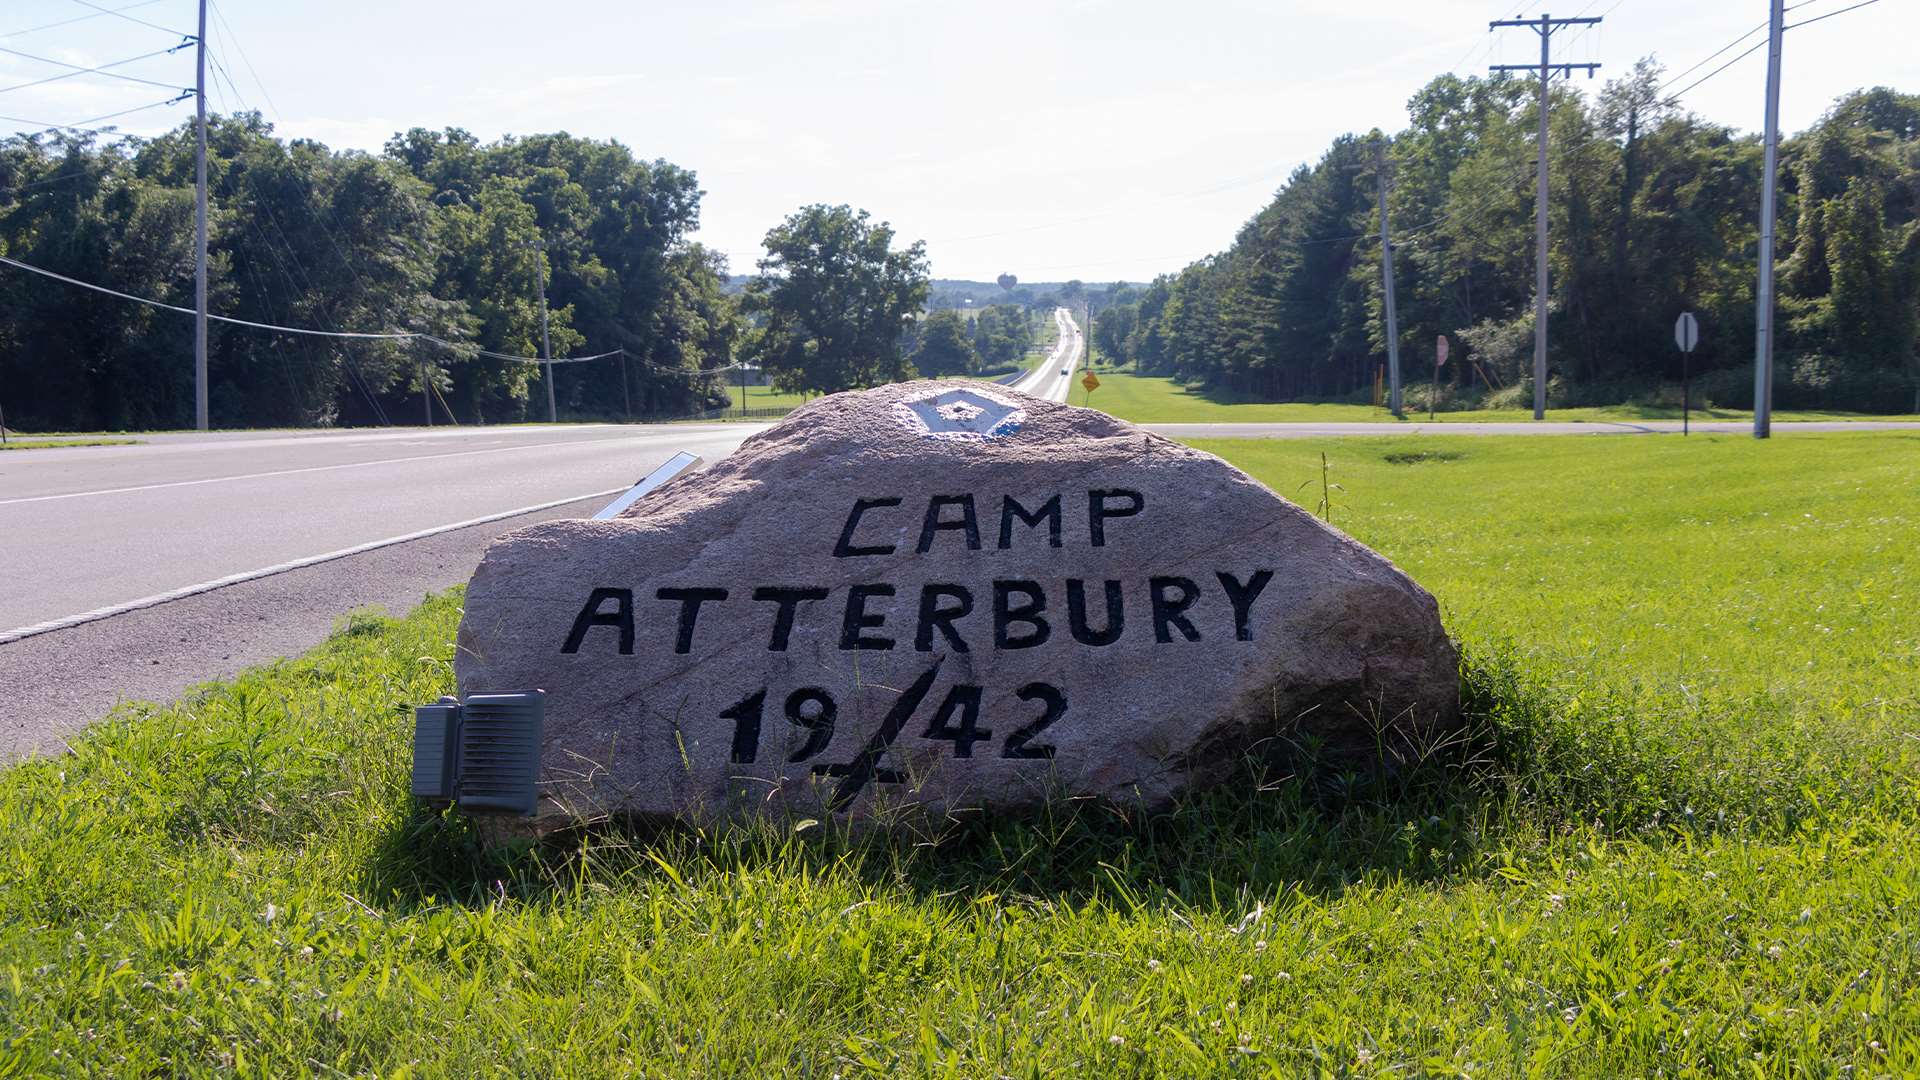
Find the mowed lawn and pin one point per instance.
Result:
(1148, 399)
(1684, 841)
(760, 398)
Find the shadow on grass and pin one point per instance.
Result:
(1301, 820)
(1531, 762)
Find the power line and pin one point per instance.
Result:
(83, 70)
(1755, 47)
(121, 13)
(1703, 63)
(293, 166)
(226, 31)
(76, 19)
(401, 335)
(43, 181)
(1545, 26)
(314, 202)
(1830, 14)
(82, 125)
(101, 70)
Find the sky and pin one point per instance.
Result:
(1051, 139)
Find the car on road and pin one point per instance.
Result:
(1066, 371)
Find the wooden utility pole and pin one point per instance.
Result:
(1386, 273)
(546, 349)
(1545, 26)
(200, 227)
(1763, 328)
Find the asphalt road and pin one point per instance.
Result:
(91, 538)
(135, 572)
(1053, 378)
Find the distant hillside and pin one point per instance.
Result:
(953, 293)
(957, 293)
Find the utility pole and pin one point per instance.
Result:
(1763, 329)
(1386, 272)
(546, 348)
(200, 227)
(1545, 26)
(1087, 359)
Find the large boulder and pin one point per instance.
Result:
(946, 596)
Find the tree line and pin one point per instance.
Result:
(438, 235)
(1653, 211)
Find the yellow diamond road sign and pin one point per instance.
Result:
(1090, 381)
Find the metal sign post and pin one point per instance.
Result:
(1092, 383)
(1440, 350)
(1686, 334)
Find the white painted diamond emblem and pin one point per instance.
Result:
(964, 413)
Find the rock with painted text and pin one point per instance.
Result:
(948, 598)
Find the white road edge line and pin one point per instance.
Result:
(306, 469)
(10, 636)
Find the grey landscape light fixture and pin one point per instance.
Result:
(482, 752)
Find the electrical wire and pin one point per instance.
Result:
(1587, 29)
(1717, 53)
(121, 13)
(227, 34)
(75, 19)
(299, 174)
(79, 69)
(401, 335)
(1830, 14)
(15, 189)
(101, 70)
(82, 125)
(1755, 47)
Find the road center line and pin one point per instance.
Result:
(10, 636)
(306, 469)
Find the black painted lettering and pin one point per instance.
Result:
(690, 601)
(1077, 614)
(865, 765)
(818, 723)
(745, 715)
(1098, 511)
(1048, 512)
(789, 601)
(964, 700)
(935, 521)
(933, 614)
(1242, 598)
(844, 548)
(1017, 744)
(620, 618)
(857, 619)
(1169, 612)
(1006, 613)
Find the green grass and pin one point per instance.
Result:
(56, 444)
(1684, 843)
(1146, 399)
(763, 397)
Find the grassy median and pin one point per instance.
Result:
(1684, 841)
(1149, 399)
